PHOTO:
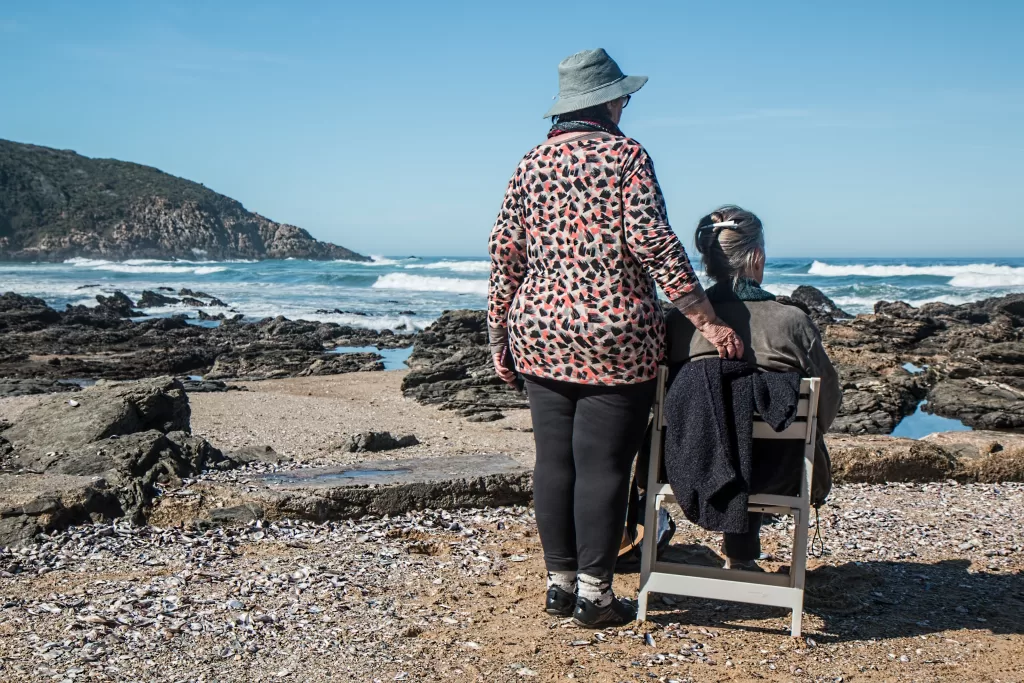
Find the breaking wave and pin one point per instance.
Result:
(978, 275)
(425, 283)
(456, 266)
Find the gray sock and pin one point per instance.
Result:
(594, 589)
(564, 580)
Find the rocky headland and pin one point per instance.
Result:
(56, 204)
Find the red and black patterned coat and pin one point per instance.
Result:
(582, 229)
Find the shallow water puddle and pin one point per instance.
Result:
(394, 359)
(921, 424)
(302, 476)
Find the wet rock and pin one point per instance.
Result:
(25, 313)
(150, 299)
(84, 342)
(29, 387)
(822, 310)
(196, 303)
(979, 403)
(451, 367)
(119, 304)
(372, 442)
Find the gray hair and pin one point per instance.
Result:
(729, 240)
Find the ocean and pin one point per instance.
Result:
(409, 293)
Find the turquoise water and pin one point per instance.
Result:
(411, 292)
(394, 359)
(921, 424)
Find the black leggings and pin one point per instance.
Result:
(586, 439)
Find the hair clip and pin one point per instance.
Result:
(724, 224)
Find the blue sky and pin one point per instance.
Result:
(852, 129)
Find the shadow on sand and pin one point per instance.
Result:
(883, 599)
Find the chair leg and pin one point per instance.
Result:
(798, 568)
(795, 624)
(648, 549)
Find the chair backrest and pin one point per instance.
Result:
(803, 425)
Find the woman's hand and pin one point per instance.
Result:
(506, 374)
(702, 314)
(724, 338)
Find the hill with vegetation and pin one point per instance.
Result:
(56, 204)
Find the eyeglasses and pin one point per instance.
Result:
(626, 101)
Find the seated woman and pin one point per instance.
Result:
(777, 337)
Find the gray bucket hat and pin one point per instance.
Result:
(590, 78)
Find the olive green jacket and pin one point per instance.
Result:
(777, 337)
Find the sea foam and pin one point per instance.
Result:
(455, 266)
(967, 275)
(425, 283)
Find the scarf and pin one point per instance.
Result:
(743, 289)
(588, 125)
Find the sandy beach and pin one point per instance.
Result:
(309, 420)
(919, 582)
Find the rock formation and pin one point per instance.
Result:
(41, 345)
(55, 205)
(451, 367)
(99, 455)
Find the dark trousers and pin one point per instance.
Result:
(586, 439)
(744, 547)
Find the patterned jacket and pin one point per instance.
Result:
(582, 229)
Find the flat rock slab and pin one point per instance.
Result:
(395, 472)
(387, 487)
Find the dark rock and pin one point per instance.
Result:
(150, 299)
(451, 367)
(59, 425)
(24, 313)
(186, 292)
(119, 304)
(236, 514)
(114, 445)
(189, 301)
(485, 417)
(978, 403)
(822, 309)
(29, 387)
(203, 315)
(207, 386)
(33, 504)
(372, 442)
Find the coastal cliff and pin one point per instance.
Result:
(56, 204)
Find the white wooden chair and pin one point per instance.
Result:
(716, 583)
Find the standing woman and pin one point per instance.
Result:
(582, 229)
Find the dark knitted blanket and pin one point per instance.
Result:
(709, 415)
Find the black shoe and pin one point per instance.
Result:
(560, 602)
(589, 615)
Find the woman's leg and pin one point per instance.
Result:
(744, 548)
(608, 430)
(553, 408)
